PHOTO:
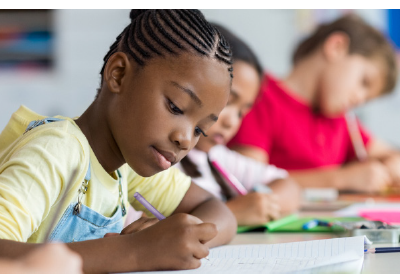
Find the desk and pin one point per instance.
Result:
(373, 263)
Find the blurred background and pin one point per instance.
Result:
(50, 59)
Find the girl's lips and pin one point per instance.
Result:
(162, 161)
(218, 138)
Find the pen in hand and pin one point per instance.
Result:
(151, 208)
(148, 206)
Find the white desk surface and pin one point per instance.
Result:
(373, 263)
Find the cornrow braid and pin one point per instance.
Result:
(153, 33)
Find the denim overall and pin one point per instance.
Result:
(79, 222)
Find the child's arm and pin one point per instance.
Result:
(200, 203)
(288, 193)
(368, 176)
(255, 208)
(174, 243)
(382, 169)
(49, 258)
(389, 156)
(177, 242)
(258, 208)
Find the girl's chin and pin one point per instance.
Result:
(332, 112)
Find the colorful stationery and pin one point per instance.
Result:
(293, 223)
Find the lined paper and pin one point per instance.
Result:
(336, 255)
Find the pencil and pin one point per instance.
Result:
(355, 136)
(383, 250)
(148, 206)
(231, 180)
(151, 208)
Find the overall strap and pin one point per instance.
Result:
(34, 124)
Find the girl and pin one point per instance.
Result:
(163, 83)
(255, 208)
(299, 123)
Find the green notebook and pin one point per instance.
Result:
(293, 223)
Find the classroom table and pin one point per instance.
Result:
(373, 263)
(381, 263)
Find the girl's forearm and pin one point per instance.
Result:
(216, 212)
(99, 256)
(106, 255)
(13, 249)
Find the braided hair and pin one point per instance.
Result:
(153, 33)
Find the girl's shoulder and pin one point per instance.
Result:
(62, 134)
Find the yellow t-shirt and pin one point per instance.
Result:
(35, 167)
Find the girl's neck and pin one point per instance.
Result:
(94, 125)
(303, 79)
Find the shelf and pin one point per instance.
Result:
(26, 39)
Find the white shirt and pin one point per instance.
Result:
(248, 171)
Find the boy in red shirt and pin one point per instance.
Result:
(299, 122)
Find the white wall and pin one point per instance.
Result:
(82, 39)
(84, 36)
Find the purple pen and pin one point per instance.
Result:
(148, 206)
(151, 208)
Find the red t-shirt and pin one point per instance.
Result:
(292, 134)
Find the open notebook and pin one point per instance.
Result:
(337, 255)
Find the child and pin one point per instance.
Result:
(255, 208)
(299, 123)
(50, 258)
(163, 83)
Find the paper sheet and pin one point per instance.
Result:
(354, 210)
(337, 255)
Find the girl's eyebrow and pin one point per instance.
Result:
(194, 97)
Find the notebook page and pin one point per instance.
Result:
(337, 255)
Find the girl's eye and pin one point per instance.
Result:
(198, 131)
(174, 109)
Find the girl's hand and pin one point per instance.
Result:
(255, 208)
(370, 176)
(392, 164)
(178, 242)
(136, 226)
(53, 258)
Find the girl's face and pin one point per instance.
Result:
(245, 86)
(348, 82)
(163, 109)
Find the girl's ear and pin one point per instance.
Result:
(336, 46)
(116, 69)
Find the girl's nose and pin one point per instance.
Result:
(358, 98)
(181, 139)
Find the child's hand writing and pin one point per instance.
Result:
(136, 226)
(370, 176)
(392, 164)
(178, 242)
(255, 208)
